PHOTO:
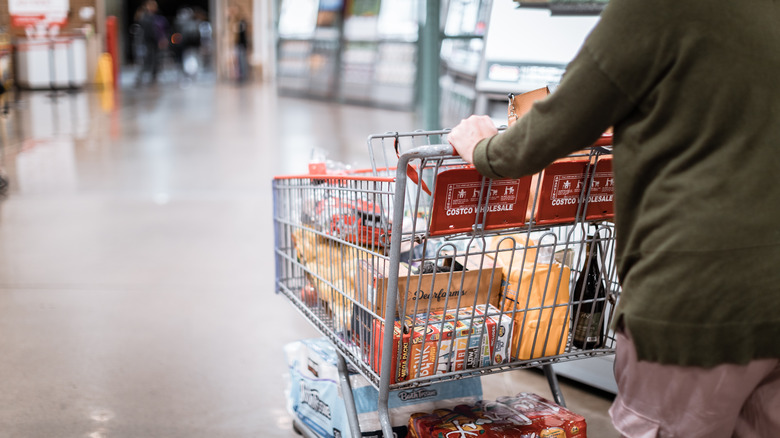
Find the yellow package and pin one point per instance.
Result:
(333, 272)
(535, 291)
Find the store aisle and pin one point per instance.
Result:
(136, 265)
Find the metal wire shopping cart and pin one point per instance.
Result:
(419, 270)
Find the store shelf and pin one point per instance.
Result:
(369, 58)
(379, 55)
(457, 100)
(308, 47)
(461, 53)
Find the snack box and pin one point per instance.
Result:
(500, 344)
(421, 354)
(450, 349)
(486, 341)
(446, 341)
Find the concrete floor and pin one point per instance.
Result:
(136, 268)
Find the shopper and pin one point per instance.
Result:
(691, 90)
(186, 42)
(239, 28)
(154, 37)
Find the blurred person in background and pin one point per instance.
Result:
(691, 90)
(238, 38)
(186, 42)
(206, 38)
(153, 38)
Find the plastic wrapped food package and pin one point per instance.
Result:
(524, 415)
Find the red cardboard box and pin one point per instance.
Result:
(461, 199)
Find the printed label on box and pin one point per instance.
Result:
(602, 191)
(566, 189)
(463, 198)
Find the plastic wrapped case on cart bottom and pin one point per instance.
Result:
(525, 415)
(314, 398)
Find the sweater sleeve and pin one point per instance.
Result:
(585, 104)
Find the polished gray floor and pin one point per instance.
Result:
(136, 269)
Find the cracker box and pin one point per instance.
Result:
(504, 326)
(424, 349)
(472, 344)
(445, 341)
(448, 349)
(486, 342)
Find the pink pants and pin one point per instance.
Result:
(660, 401)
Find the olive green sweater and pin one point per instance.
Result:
(692, 89)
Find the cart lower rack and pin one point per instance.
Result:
(420, 270)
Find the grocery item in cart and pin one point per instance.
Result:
(590, 293)
(445, 341)
(500, 343)
(421, 348)
(535, 294)
(463, 198)
(478, 283)
(331, 277)
(462, 422)
(575, 188)
(483, 340)
(552, 417)
(354, 220)
(472, 339)
(524, 415)
(314, 398)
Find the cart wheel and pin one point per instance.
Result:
(296, 429)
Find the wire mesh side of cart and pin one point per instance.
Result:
(328, 229)
(472, 276)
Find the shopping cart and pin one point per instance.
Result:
(419, 270)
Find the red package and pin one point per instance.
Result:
(554, 420)
(522, 416)
(424, 425)
(469, 421)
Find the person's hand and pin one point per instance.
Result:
(465, 136)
